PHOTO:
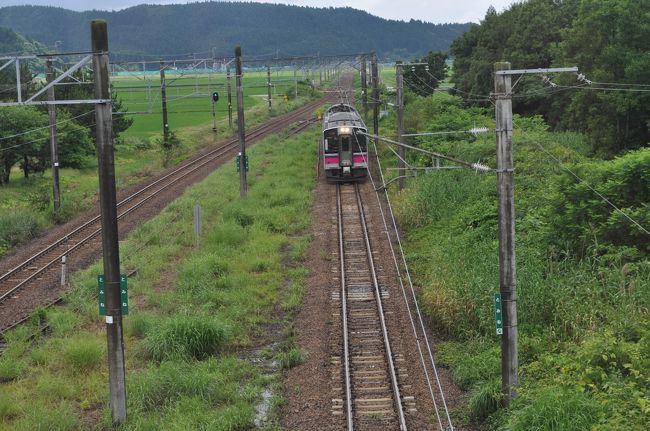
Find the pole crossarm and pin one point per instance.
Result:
(8, 63)
(57, 102)
(536, 71)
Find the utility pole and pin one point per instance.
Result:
(295, 81)
(375, 97)
(229, 97)
(268, 83)
(163, 96)
(364, 86)
(400, 124)
(243, 187)
(108, 204)
(51, 111)
(506, 200)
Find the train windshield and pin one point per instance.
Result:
(345, 143)
(360, 144)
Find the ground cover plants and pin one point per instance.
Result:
(26, 207)
(198, 314)
(582, 273)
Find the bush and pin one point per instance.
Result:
(186, 337)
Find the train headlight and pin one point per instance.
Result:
(344, 130)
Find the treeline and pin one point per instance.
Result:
(606, 39)
(24, 135)
(148, 31)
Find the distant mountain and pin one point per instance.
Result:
(14, 43)
(216, 27)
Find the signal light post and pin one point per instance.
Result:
(215, 99)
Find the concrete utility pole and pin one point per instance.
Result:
(400, 124)
(364, 87)
(506, 201)
(229, 97)
(243, 186)
(163, 96)
(268, 82)
(51, 111)
(375, 97)
(108, 204)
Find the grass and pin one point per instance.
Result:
(26, 207)
(191, 309)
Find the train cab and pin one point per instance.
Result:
(345, 154)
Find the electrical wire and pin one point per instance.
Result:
(577, 177)
(46, 127)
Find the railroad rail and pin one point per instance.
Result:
(43, 266)
(372, 392)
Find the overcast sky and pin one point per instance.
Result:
(436, 11)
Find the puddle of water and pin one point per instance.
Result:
(263, 407)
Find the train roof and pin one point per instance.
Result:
(342, 115)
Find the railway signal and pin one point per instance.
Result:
(215, 99)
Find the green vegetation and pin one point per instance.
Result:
(582, 272)
(606, 39)
(213, 28)
(192, 309)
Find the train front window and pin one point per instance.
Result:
(345, 143)
(360, 144)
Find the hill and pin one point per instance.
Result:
(11, 43)
(216, 27)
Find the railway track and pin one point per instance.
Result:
(371, 396)
(42, 268)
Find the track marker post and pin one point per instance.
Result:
(108, 205)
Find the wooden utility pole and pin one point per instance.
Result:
(163, 96)
(51, 111)
(364, 87)
(375, 97)
(243, 187)
(400, 125)
(108, 204)
(507, 267)
(268, 82)
(229, 97)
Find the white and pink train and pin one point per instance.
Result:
(345, 152)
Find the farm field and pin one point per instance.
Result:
(189, 102)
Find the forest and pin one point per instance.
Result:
(214, 28)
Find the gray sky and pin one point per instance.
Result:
(436, 11)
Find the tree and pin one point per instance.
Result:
(423, 79)
(17, 145)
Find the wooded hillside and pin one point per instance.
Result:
(150, 30)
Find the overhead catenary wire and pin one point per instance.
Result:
(67, 120)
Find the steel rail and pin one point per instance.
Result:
(344, 315)
(389, 354)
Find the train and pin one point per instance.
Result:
(344, 144)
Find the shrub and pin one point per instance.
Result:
(18, 227)
(485, 400)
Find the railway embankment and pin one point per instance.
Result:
(206, 334)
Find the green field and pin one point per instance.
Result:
(189, 101)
